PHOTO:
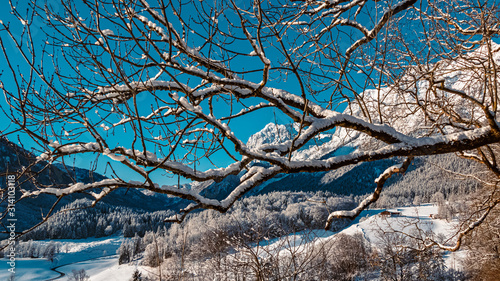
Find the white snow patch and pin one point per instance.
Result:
(108, 32)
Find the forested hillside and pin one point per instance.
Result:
(280, 202)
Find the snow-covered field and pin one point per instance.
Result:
(407, 221)
(98, 255)
(372, 224)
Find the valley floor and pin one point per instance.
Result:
(97, 256)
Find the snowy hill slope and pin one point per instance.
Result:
(378, 230)
(97, 256)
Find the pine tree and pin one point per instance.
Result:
(124, 252)
(128, 231)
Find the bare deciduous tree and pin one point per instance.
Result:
(79, 275)
(163, 87)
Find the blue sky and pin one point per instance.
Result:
(242, 127)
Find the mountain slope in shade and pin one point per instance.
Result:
(13, 159)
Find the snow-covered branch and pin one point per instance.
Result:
(155, 88)
(380, 181)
